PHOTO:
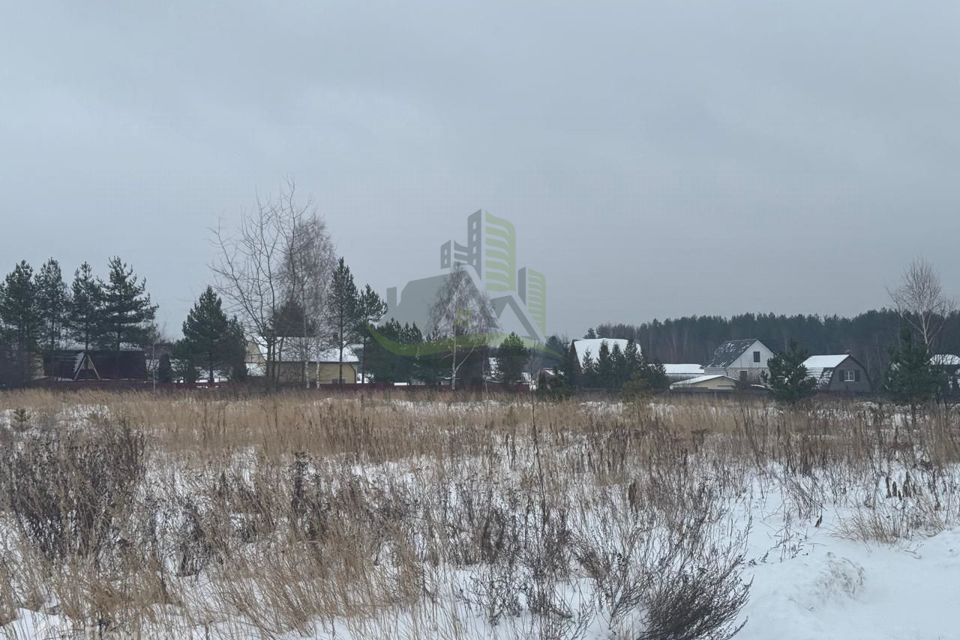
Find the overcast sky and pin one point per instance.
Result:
(657, 158)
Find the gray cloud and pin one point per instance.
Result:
(657, 158)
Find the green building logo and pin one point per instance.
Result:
(489, 255)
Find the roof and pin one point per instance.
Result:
(700, 380)
(945, 360)
(825, 362)
(820, 368)
(299, 349)
(726, 353)
(683, 369)
(592, 346)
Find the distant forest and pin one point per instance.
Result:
(868, 336)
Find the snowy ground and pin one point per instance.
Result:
(839, 589)
(810, 578)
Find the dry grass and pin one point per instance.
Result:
(172, 516)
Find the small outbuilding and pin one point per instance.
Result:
(706, 384)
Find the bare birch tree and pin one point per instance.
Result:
(280, 255)
(462, 318)
(921, 302)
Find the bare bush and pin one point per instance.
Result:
(70, 491)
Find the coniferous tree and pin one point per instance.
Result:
(633, 357)
(606, 376)
(587, 377)
(206, 335)
(370, 309)
(165, 370)
(18, 312)
(788, 380)
(621, 370)
(911, 379)
(52, 304)
(235, 350)
(18, 306)
(85, 322)
(343, 310)
(512, 357)
(127, 312)
(570, 367)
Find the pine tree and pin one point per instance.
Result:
(512, 357)
(18, 311)
(52, 303)
(911, 379)
(788, 380)
(18, 306)
(127, 311)
(370, 309)
(343, 309)
(85, 322)
(206, 336)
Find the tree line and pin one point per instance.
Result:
(39, 313)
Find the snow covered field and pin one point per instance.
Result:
(296, 517)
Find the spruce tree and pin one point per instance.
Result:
(127, 311)
(235, 350)
(911, 379)
(512, 357)
(606, 377)
(343, 309)
(788, 380)
(587, 377)
(52, 303)
(206, 337)
(570, 367)
(85, 322)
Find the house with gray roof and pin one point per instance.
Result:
(839, 373)
(743, 360)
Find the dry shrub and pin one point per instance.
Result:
(70, 491)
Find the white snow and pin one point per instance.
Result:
(592, 346)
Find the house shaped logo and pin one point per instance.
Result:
(489, 257)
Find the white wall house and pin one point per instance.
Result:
(742, 360)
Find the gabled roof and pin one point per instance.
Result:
(592, 345)
(729, 351)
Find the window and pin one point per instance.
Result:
(743, 376)
(756, 356)
(849, 375)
